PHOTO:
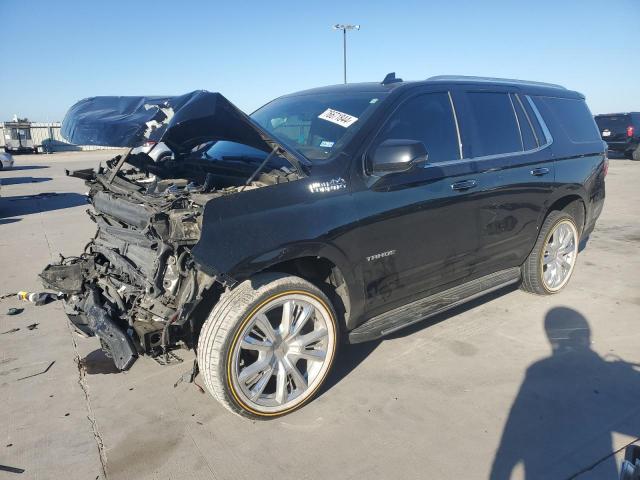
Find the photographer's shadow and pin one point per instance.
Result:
(568, 406)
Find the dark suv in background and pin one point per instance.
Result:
(621, 131)
(338, 214)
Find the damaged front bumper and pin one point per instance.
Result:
(135, 286)
(128, 320)
(86, 311)
(114, 341)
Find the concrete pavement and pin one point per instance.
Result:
(453, 397)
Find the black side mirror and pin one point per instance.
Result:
(398, 155)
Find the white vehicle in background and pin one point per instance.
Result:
(6, 161)
(18, 137)
(158, 151)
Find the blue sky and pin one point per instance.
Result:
(57, 52)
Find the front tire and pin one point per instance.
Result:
(268, 345)
(553, 258)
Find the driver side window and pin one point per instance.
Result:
(427, 118)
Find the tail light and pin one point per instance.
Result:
(149, 144)
(630, 131)
(605, 167)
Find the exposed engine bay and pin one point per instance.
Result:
(136, 285)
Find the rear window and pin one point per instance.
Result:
(495, 127)
(617, 123)
(574, 117)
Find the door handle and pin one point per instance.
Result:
(540, 171)
(463, 185)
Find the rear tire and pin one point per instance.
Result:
(551, 262)
(635, 155)
(268, 345)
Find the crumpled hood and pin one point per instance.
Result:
(180, 122)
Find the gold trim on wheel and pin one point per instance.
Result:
(231, 353)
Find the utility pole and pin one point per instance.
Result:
(344, 28)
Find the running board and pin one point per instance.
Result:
(411, 313)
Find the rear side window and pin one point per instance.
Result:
(427, 118)
(537, 128)
(574, 118)
(495, 126)
(529, 141)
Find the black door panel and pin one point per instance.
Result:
(418, 233)
(509, 215)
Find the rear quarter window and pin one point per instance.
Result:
(573, 117)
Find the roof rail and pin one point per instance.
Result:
(494, 80)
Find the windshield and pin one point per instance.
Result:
(317, 124)
(225, 151)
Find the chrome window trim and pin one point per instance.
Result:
(455, 120)
(543, 125)
(526, 115)
(489, 157)
(515, 114)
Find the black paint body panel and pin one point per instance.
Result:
(439, 237)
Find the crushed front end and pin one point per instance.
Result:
(135, 286)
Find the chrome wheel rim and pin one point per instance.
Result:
(560, 252)
(283, 353)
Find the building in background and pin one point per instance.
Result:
(26, 136)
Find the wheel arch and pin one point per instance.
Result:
(574, 205)
(325, 274)
(320, 263)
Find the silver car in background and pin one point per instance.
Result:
(6, 161)
(158, 151)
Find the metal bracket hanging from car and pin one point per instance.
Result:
(118, 166)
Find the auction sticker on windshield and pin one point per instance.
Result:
(339, 118)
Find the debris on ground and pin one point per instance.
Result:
(13, 330)
(39, 373)
(190, 377)
(33, 326)
(14, 311)
(6, 468)
(38, 298)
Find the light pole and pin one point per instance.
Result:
(344, 28)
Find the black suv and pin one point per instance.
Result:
(338, 214)
(621, 131)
